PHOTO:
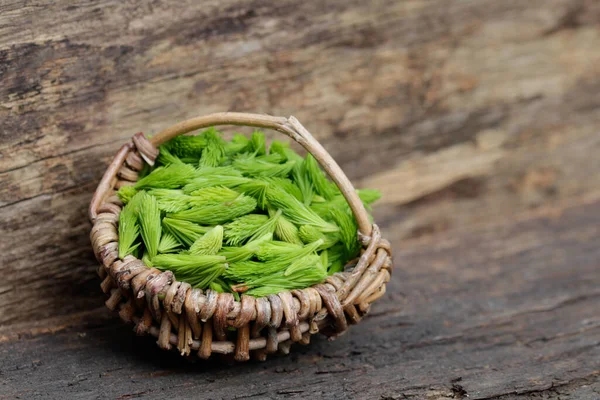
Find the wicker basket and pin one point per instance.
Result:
(192, 320)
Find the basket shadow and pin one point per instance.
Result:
(117, 343)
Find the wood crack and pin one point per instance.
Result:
(121, 139)
(46, 194)
(550, 389)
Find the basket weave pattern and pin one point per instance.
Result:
(191, 319)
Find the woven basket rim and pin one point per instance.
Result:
(158, 304)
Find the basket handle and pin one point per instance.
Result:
(292, 128)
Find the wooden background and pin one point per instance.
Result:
(479, 120)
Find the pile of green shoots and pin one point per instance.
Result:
(237, 217)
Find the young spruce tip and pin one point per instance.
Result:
(238, 216)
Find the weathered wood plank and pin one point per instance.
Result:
(478, 120)
(406, 95)
(496, 312)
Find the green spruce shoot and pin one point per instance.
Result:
(129, 230)
(234, 217)
(241, 229)
(149, 217)
(172, 176)
(184, 231)
(209, 244)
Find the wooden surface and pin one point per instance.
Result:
(479, 120)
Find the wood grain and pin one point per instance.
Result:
(478, 120)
